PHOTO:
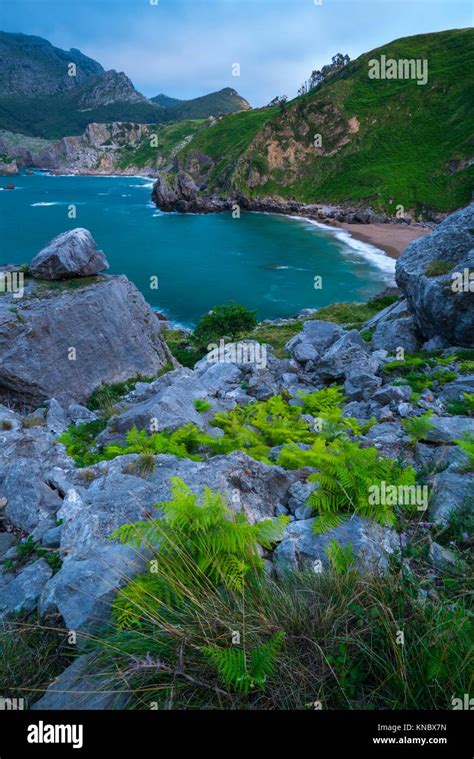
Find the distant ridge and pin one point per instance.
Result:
(40, 98)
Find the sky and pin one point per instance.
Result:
(187, 48)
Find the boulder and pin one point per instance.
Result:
(396, 333)
(316, 337)
(447, 429)
(80, 687)
(347, 356)
(372, 544)
(56, 421)
(361, 386)
(22, 593)
(392, 394)
(450, 492)
(427, 272)
(83, 589)
(70, 254)
(65, 343)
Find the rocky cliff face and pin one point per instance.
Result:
(31, 65)
(436, 274)
(107, 88)
(98, 151)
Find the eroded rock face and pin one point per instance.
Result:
(70, 254)
(436, 276)
(64, 343)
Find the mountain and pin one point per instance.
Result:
(218, 103)
(383, 142)
(62, 104)
(31, 64)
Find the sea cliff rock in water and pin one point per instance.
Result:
(436, 273)
(70, 254)
(64, 341)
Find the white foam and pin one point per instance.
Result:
(370, 252)
(55, 203)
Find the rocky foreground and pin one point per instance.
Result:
(71, 511)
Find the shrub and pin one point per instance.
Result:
(224, 321)
(462, 407)
(340, 646)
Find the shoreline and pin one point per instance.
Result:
(389, 237)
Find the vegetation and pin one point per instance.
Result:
(467, 445)
(406, 135)
(418, 427)
(31, 656)
(230, 320)
(438, 268)
(200, 542)
(347, 473)
(205, 628)
(168, 140)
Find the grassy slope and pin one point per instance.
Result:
(169, 138)
(408, 133)
(228, 139)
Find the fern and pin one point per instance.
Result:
(467, 445)
(347, 474)
(199, 541)
(245, 673)
(417, 427)
(342, 558)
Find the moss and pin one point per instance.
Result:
(438, 268)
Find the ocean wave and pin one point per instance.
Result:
(370, 252)
(52, 203)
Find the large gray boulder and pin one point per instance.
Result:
(426, 272)
(31, 467)
(64, 343)
(70, 254)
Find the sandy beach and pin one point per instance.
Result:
(392, 238)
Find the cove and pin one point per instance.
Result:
(266, 262)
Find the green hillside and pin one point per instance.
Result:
(215, 104)
(384, 142)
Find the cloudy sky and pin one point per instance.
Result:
(186, 48)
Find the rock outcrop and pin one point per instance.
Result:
(70, 254)
(436, 273)
(64, 341)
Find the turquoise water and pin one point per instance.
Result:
(265, 262)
